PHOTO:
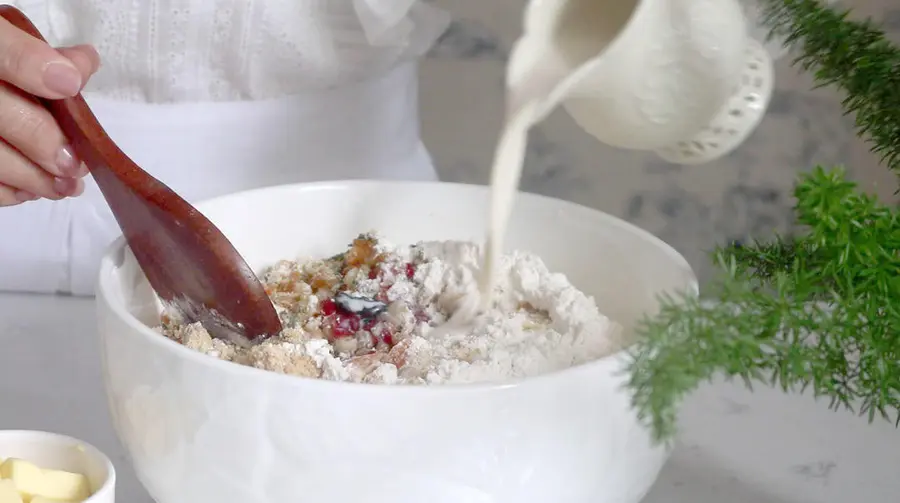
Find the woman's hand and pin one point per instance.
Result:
(35, 160)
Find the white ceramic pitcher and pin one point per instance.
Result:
(679, 77)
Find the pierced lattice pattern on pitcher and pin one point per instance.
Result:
(738, 118)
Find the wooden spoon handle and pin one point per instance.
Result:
(79, 125)
(18, 19)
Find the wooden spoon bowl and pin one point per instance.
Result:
(186, 259)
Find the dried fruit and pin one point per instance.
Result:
(362, 252)
(328, 307)
(345, 325)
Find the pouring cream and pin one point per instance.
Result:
(678, 77)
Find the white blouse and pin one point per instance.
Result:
(161, 51)
(219, 96)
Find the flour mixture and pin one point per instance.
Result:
(367, 315)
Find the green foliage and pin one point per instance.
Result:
(820, 310)
(853, 56)
(845, 345)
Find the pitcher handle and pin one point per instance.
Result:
(739, 117)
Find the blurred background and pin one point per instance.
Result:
(693, 208)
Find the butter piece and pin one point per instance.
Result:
(9, 493)
(31, 481)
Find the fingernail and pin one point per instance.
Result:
(96, 55)
(62, 78)
(23, 196)
(67, 163)
(65, 186)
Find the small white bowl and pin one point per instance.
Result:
(203, 430)
(59, 452)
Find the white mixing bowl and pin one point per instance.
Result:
(203, 430)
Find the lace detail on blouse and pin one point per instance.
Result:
(227, 50)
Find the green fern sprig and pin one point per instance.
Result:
(763, 327)
(855, 57)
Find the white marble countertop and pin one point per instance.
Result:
(736, 447)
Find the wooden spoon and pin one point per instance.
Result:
(186, 259)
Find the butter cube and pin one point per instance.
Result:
(31, 480)
(21, 473)
(9, 493)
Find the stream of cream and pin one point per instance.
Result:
(537, 75)
(529, 99)
(506, 174)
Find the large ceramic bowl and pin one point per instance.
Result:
(203, 430)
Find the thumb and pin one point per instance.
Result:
(34, 66)
(85, 59)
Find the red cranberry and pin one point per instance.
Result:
(387, 337)
(345, 325)
(410, 270)
(328, 307)
(373, 273)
